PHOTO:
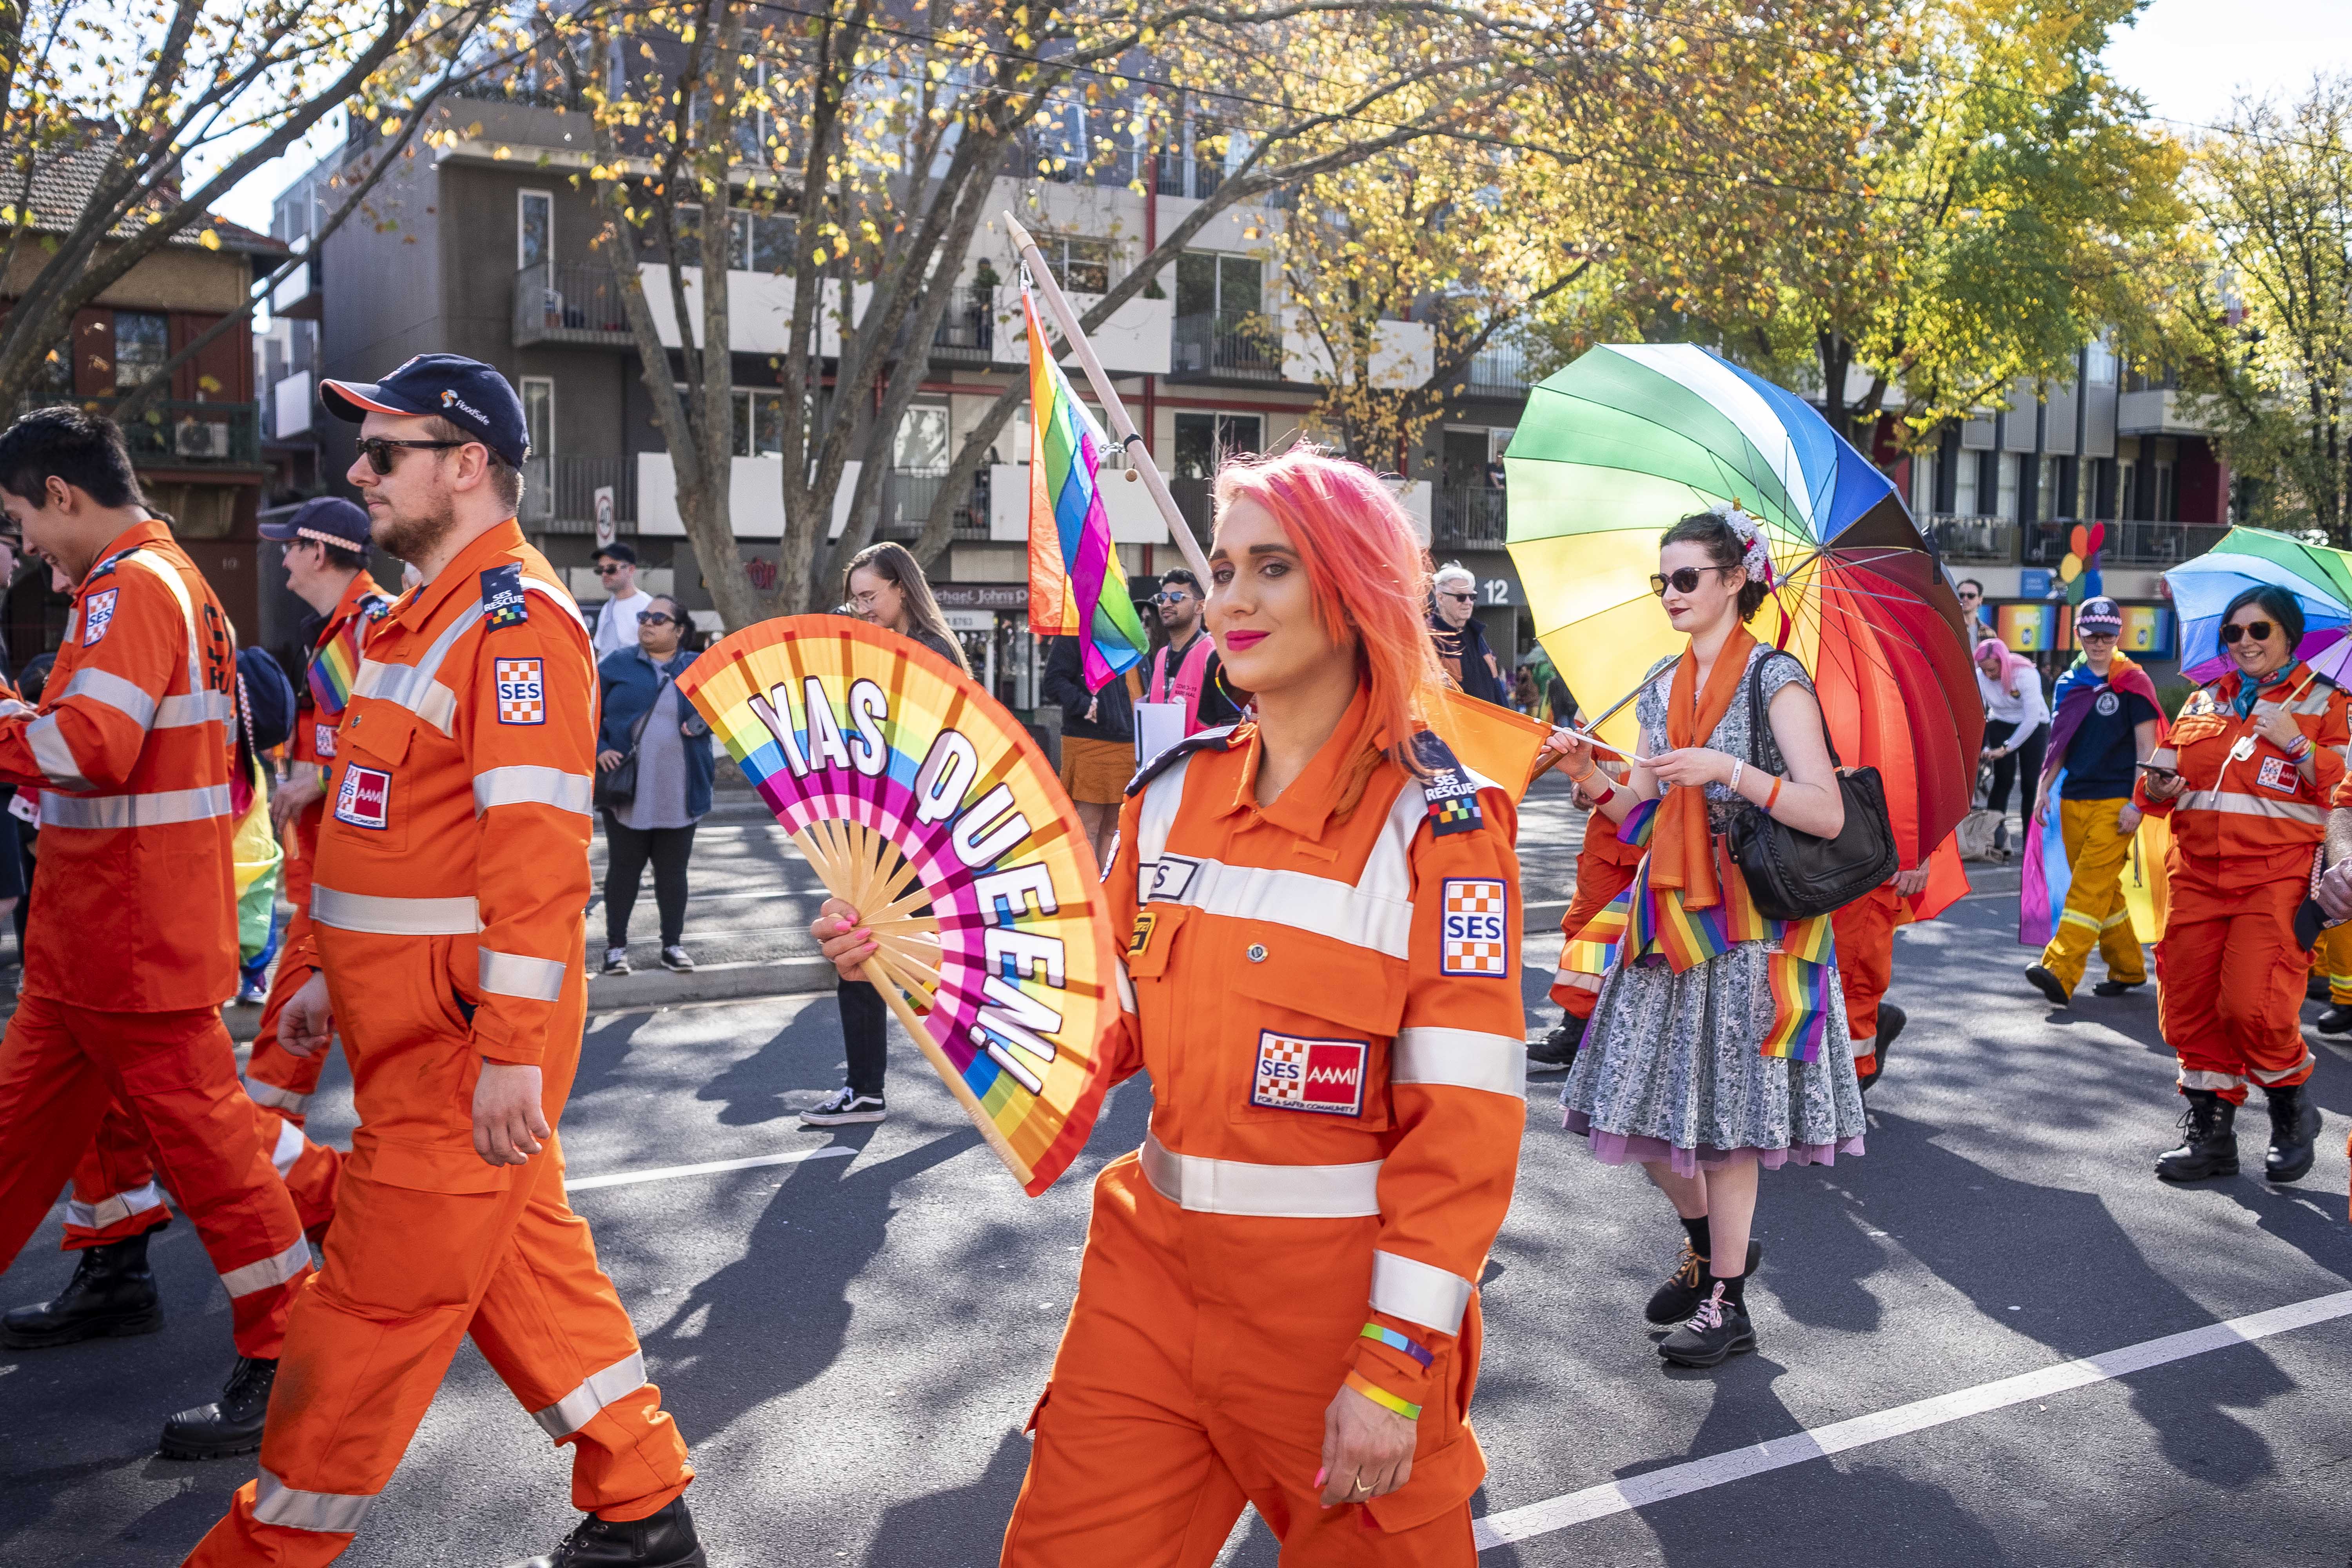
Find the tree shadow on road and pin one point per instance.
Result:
(804, 1054)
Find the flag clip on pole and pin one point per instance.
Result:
(1121, 426)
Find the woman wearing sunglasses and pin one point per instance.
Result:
(2254, 763)
(1681, 1068)
(668, 790)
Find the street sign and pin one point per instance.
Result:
(604, 516)
(2033, 582)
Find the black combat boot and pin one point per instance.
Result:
(2295, 1122)
(2335, 1020)
(663, 1539)
(2210, 1147)
(1719, 1329)
(111, 1296)
(1556, 1052)
(231, 1424)
(1687, 1287)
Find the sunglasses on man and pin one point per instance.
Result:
(1464, 593)
(610, 569)
(2258, 630)
(380, 450)
(1171, 597)
(1682, 580)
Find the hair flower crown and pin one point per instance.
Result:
(1755, 556)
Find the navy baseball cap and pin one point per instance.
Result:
(466, 392)
(329, 519)
(2097, 616)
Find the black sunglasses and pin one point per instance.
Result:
(655, 618)
(1683, 580)
(610, 570)
(2258, 630)
(379, 450)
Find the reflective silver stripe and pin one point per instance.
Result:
(2209, 1080)
(203, 707)
(289, 1147)
(394, 917)
(270, 1272)
(150, 810)
(413, 686)
(579, 1408)
(329, 1513)
(514, 975)
(113, 1210)
(123, 695)
(2238, 803)
(1465, 1059)
(277, 1098)
(1264, 1192)
(2259, 1076)
(1125, 987)
(524, 785)
(1419, 1292)
(52, 755)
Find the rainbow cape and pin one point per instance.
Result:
(1075, 587)
(2048, 874)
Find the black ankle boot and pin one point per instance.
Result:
(1556, 1052)
(1687, 1287)
(1719, 1330)
(231, 1424)
(2295, 1122)
(111, 1296)
(663, 1539)
(2211, 1146)
(2335, 1020)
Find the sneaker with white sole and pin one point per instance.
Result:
(674, 957)
(844, 1106)
(617, 961)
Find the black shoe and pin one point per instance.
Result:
(2337, 1020)
(663, 1539)
(844, 1106)
(231, 1424)
(2117, 987)
(617, 961)
(1556, 1052)
(1717, 1331)
(2295, 1123)
(2049, 984)
(111, 1296)
(674, 959)
(1685, 1288)
(2210, 1147)
(2315, 988)
(1891, 1020)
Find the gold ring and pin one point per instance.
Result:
(1361, 1485)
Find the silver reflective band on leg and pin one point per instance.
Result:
(2268, 1079)
(289, 1147)
(1419, 1292)
(275, 1097)
(113, 1210)
(329, 1513)
(579, 1408)
(394, 917)
(523, 785)
(52, 755)
(270, 1272)
(1465, 1059)
(151, 809)
(2215, 1080)
(513, 975)
(1264, 1192)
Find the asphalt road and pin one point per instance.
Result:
(852, 1342)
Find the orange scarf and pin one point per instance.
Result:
(1682, 846)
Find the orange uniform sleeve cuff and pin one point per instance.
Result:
(505, 1045)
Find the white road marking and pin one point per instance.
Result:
(1561, 1513)
(708, 1168)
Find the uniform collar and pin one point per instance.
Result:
(358, 588)
(1307, 805)
(148, 531)
(463, 574)
(2233, 685)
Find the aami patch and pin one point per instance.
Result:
(96, 614)
(522, 691)
(2278, 773)
(364, 799)
(1476, 927)
(1295, 1074)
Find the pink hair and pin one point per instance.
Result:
(2011, 666)
(1368, 572)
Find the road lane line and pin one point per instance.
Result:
(708, 1168)
(1561, 1513)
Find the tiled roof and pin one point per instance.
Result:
(64, 179)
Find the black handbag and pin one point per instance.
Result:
(616, 787)
(1794, 876)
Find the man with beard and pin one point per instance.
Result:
(447, 914)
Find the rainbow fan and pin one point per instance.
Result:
(926, 806)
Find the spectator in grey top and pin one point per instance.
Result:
(646, 716)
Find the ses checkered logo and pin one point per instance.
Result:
(1295, 1074)
(522, 691)
(1476, 929)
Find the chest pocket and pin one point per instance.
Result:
(1308, 1026)
(370, 803)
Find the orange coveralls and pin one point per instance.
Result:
(1605, 869)
(134, 945)
(2230, 975)
(1325, 992)
(447, 911)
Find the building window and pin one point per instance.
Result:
(2047, 490)
(1923, 483)
(539, 415)
(534, 228)
(1203, 441)
(2011, 475)
(757, 242)
(1966, 477)
(143, 342)
(1082, 266)
(1226, 286)
(759, 423)
(2099, 364)
(921, 443)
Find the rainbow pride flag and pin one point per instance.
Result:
(334, 668)
(1075, 587)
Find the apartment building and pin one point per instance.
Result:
(482, 247)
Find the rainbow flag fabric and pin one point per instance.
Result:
(1075, 587)
(334, 668)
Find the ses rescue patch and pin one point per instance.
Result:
(364, 799)
(522, 691)
(502, 600)
(96, 615)
(1477, 926)
(1295, 1074)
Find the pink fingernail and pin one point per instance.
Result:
(1322, 1473)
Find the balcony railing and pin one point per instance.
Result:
(1230, 344)
(559, 494)
(1472, 515)
(176, 435)
(1970, 541)
(2127, 544)
(967, 332)
(1498, 370)
(570, 302)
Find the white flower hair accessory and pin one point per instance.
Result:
(1754, 555)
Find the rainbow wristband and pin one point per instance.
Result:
(1397, 1342)
(1382, 1397)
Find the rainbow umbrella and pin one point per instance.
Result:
(2319, 577)
(1631, 437)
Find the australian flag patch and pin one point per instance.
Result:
(502, 603)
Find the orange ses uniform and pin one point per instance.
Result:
(1605, 869)
(2229, 975)
(135, 949)
(447, 907)
(1326, 994)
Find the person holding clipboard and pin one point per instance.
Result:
(1185, 691)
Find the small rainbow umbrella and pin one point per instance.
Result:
(1631, 437)
(2319, 577)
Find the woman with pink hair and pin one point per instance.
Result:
(2017, 726)
(1278, 1305)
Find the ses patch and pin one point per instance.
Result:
(1295, 1074)
(522, 691)
(1477, 926)
(502, 600)
(2278, 773)
(364, 799)
(96, 615)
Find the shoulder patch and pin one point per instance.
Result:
(1450, 789)
(97, 612)
(1218, 740)
(1476, 922)
(502, 601)
(522, 691)
(375, 607)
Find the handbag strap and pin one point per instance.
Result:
(1756, 714)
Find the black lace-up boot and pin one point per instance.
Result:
(229, 1425)
(1719, 1330)
(663, 1539)
(111, 1296)
(1687, 1287)
(2210, 1147)
(2295, 1123)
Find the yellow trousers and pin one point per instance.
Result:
(2096, 851)
(2333, 958)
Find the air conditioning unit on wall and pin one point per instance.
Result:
(201, 438)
